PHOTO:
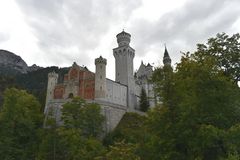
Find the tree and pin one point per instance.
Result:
(6, 82)
(69, 143)
(121, 151)
(77, 138)
(82, 115)
(224, 49)
(20, 123)
(131, 129)
(144, 103)
(200, 105)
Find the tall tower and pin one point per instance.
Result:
(52, 81)
(124, 55)
(100, 78)
(166, 58)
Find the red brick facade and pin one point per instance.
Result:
(82, 78)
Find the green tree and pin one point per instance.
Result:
(121, 151)
(6, 82)
(200, 105)
(130, 129)
(224, 49)
(69, 143)
(77, 138)
(82, 115)
(144, 103)
(78, 147)
(20, 125)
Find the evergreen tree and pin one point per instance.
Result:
(144, 103)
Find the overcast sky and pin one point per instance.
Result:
(60, 32)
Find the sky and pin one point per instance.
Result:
(60, 32)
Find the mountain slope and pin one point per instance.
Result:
(11, 63)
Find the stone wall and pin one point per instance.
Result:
(113, 113)
(116, 93)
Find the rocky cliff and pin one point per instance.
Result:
(11, 63)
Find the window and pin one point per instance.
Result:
(70, 95)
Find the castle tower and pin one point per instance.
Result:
(166, 58)
(124, 55)
(100, 78)
(52, 81)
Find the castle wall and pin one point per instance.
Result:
(116, 93)
(59, 91)
(113, 113)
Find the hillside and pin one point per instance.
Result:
(14, 72)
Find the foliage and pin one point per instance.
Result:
(121, 151)
(6, 82)
(36, 82)
(130, 129)
(200, 105)
(224, 49)
(77, 138)
(144, 103)
(163, 80)
(82, 115)
(68, 143)
(20, 120)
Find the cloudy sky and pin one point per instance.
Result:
(59, 32)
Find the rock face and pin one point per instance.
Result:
(34, 67)
(11, 63)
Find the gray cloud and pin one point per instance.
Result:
(70, 30)
(4, 37)
(61, 25)
(182, 28)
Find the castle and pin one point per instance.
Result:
(115, 97)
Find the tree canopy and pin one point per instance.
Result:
(200, 106)
(20, 121)
(144, 102)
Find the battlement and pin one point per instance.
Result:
(100, 60)
(52, 75)
(123, 38)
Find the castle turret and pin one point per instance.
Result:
(124, 55)
(100, 78)
(166, 58)
(123, 38)
(52, 81)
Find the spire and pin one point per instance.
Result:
(166, 58)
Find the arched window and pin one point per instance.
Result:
(70, 95)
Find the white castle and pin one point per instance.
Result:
(115, 97)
